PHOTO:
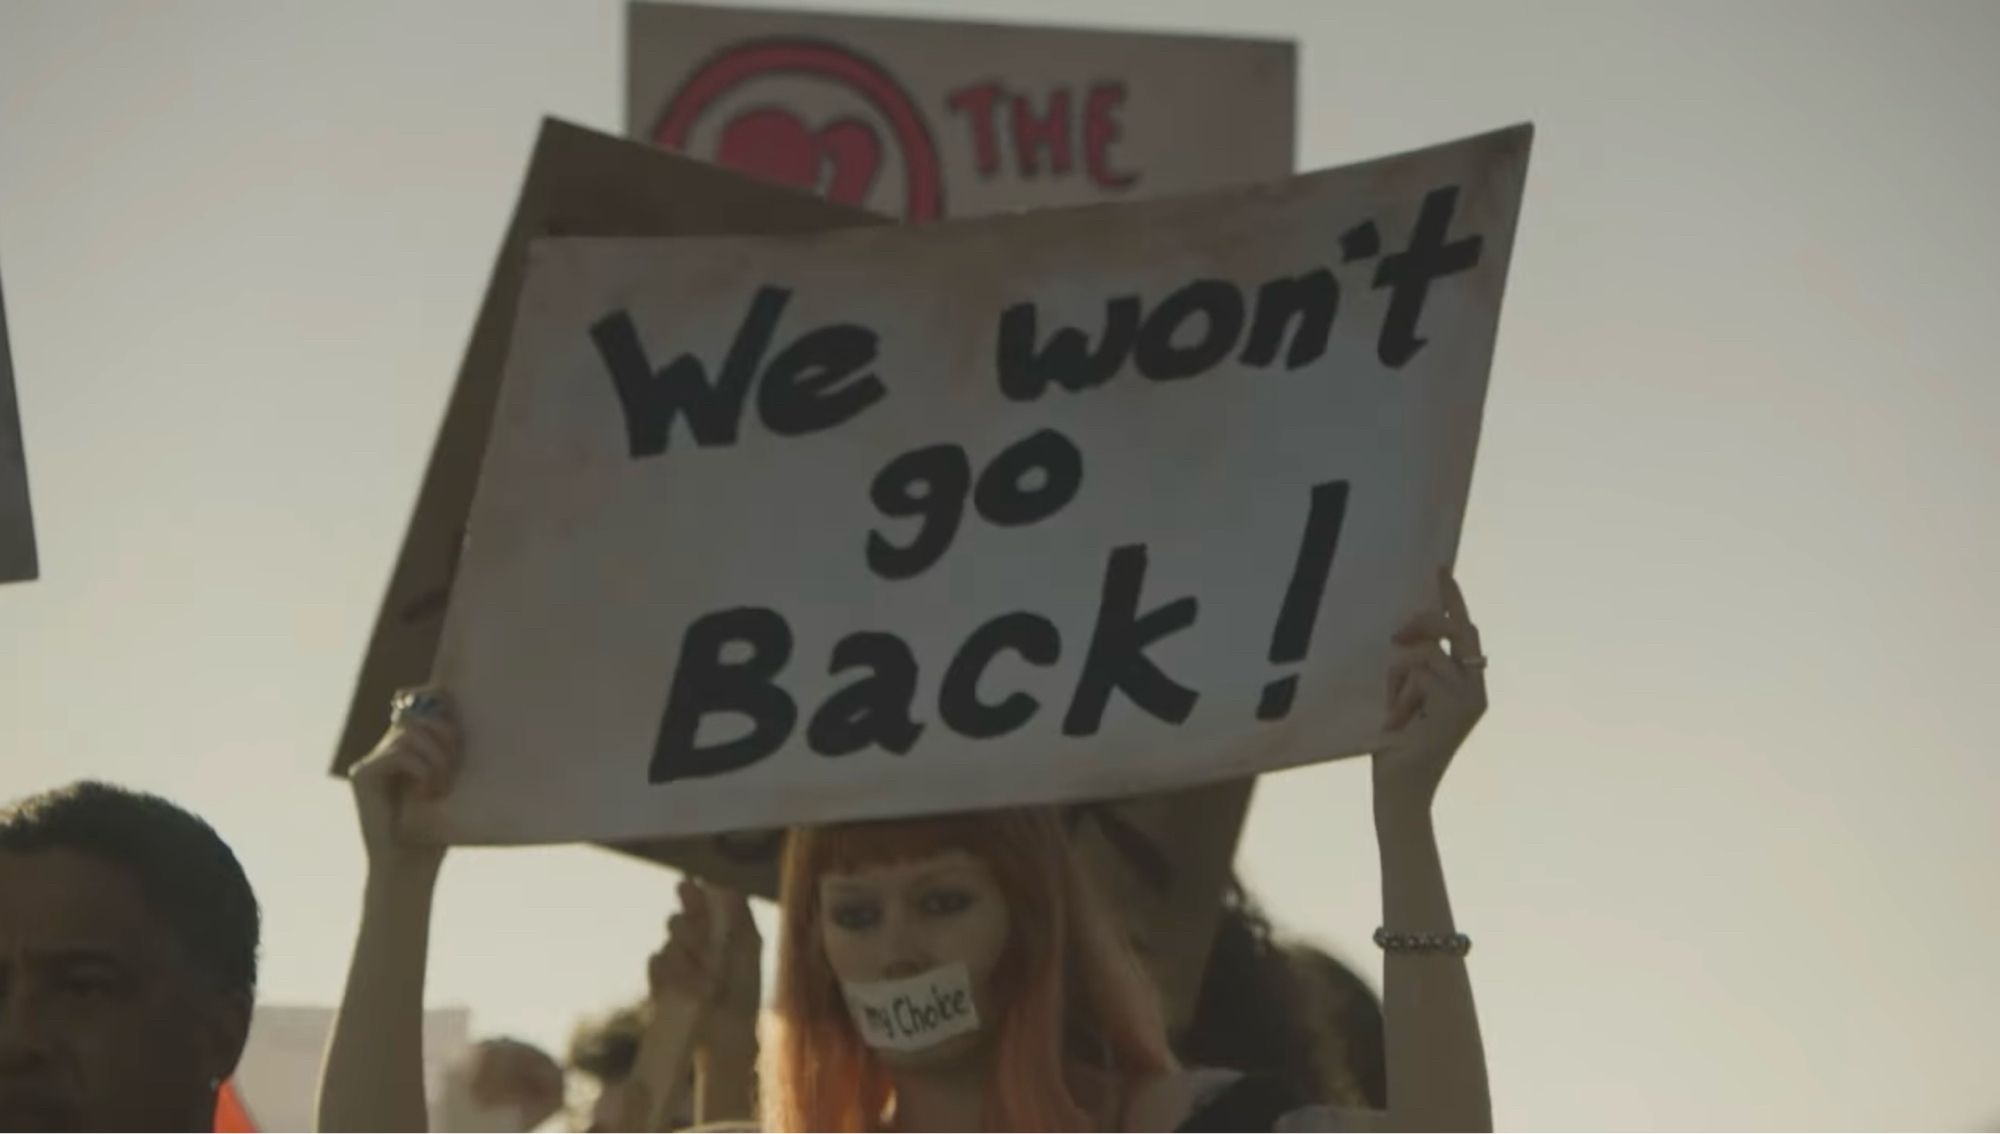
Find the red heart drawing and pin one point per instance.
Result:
(772, 143)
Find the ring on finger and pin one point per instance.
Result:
(414, 706)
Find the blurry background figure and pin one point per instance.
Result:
(1342, 1018)
(1288, 1012)
(499, 1085)
(1291, 1012)
(694, 1039)
(602, 1052)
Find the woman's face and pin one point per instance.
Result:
(899, 920)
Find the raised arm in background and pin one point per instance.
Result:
(1436, 1062)
(373, 1078)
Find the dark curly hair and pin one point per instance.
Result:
(1288, 1012)
(187, 874)
(1343, 1020)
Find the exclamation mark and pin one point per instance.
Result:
(1293, 635)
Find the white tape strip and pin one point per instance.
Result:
(916, 1013)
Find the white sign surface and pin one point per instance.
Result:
(1063, 505)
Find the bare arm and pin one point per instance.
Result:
(373, 1078)
(726, 1066)
(726, 1072)
(1436, 1061)
(706, 988)
(374, 1073)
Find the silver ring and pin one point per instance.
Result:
(414, 706)
(1472, 661)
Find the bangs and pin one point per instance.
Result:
(844, 848)
(1025, 848)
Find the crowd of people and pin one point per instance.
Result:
(129, 949)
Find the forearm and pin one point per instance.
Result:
(726, 1073)
(373, 1078)
(1436, 1062)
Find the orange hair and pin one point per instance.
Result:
(1075, 1004)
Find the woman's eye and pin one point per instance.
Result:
(854, 916)
(943, 903)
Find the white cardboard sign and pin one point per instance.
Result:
(1064, 505)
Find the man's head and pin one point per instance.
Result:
(128, 963)
(499, 1084)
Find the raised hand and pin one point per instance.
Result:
(689, 964)
(418, 758)
(374, 1073)
(1435, 697)
(704, 986)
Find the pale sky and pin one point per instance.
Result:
(1726, 843)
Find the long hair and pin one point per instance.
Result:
(1078, 1022)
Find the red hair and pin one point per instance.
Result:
(1077, 1015)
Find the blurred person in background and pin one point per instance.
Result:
(1343, 1023)
(502, 1086)
(1288, 1012)
(602, 1052)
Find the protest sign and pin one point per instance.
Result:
(18, 559)
(924, 119)
(1058, 506)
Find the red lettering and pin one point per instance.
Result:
(1100, 129)
(1049, 131)
(1044, 139)
(978, 103)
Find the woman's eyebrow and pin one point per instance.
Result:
(931, 876)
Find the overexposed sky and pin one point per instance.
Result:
(1727, 841)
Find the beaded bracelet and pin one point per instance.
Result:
(1450, 944)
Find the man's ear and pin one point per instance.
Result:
(225, 1029)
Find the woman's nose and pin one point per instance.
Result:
(904, 954)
